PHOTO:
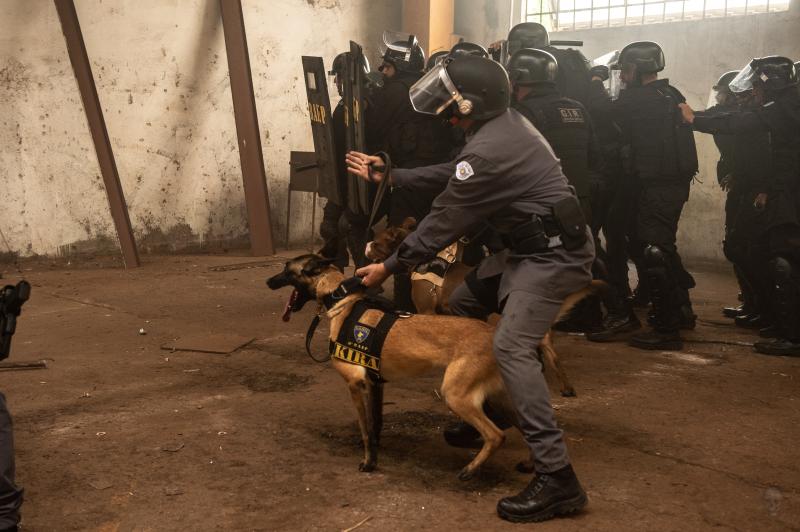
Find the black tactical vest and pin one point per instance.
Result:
(565, 125)
(663, 148)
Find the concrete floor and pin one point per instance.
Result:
(118, 434)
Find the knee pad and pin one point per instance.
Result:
(655, 257)
(782, 269)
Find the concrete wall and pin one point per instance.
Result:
(697, 53)
(161, 73)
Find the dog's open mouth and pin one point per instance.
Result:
(287, 312)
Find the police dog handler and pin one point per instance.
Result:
(506, 178)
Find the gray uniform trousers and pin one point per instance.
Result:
(526, 318)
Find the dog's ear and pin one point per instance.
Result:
(409, 223)
(314, 267)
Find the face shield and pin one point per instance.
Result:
(743, 81)
(614, 83)
(608, 59)
(434, 92)
(398, 44)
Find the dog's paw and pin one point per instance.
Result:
(366, 467)
(466, 474)
(568, 392)
(525, 467)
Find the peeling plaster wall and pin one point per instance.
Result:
(697, 52)
(161, 74)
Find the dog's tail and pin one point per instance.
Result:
(595, 287)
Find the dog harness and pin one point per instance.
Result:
(357, 343)
(361, 344)
(435, 270)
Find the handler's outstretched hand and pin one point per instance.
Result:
(687, 112)
(373, 274)
(359, 164)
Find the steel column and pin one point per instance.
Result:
(244, 109)
(76, 49)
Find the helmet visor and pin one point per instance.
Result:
(615, 83)
(434, 91)
(743, 81)
(397, 42)
(608, 59)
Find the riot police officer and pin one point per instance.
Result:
(662, 157)
(773, 81)
(737, 184)
(507, 177)
(411, 139)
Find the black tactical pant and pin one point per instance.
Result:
(776, 258)
(659, 210)
(612, 214)
(744, 227)
(333, 230)
(10, 494)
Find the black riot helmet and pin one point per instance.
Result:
(773, 73)
(435, 59)
(474, 87)
(529, 66)
(527, 35)
(339, 65)
(645, 57)
(724, 81)
(721, 93)
(402, 50)
(469, 48)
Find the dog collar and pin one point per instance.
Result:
(347, 287)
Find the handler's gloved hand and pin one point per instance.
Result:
(599, 71)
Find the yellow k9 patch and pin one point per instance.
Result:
(354, 356)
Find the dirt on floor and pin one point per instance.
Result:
(120, 434)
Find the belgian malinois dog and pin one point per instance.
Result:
(414, 346)
(429, 298)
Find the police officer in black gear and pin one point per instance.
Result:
(469, 48)
(732, 182)
(341, 229)
(773, 81)
(411, 139)
(663, 160)
(612, 195)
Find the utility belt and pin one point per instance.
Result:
(566, 227)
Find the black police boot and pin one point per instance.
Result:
(751, 321)
(548, 495)
(688, 317)
(770, 331)
(781, 347)
(463, 435)
(620, 319)
(656, 340)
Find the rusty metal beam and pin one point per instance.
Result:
(244, 108)
(97, 125)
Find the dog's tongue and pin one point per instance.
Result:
(287, 312)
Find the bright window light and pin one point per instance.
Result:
(559, 15)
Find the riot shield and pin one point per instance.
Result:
(319, 110)
(354, 89)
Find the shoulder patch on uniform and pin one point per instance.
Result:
(464, 171)
(573, 116)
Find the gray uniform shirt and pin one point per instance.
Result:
(505, 173)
